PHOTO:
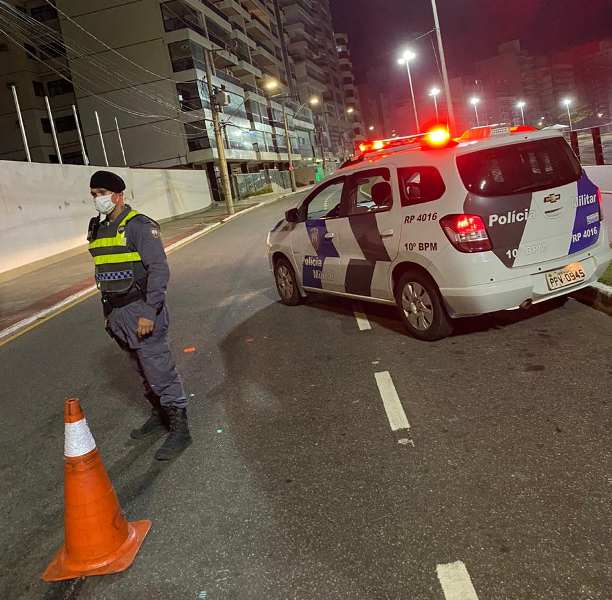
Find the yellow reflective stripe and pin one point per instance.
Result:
(107, 242)
(129, 216)
(119, 239)
(111, 259)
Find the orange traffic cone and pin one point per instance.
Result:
(97, 538)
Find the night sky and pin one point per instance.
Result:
(471, 29)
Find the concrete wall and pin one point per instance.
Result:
(45, 209)
(602, 178)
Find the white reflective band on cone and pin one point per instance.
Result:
(77, 439)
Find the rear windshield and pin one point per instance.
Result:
(519, 168)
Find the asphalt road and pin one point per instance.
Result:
(295, 486)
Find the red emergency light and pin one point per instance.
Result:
(489, 131)
(437, 138)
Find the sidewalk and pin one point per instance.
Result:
(23, 298)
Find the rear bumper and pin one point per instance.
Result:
(510, 294)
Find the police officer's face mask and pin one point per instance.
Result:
(104, 204)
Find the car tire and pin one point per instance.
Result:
(421, 307)
(286, 283)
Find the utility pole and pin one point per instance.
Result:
(24, 137)
(289, 149)
(225, 180)
(447, 91)
(322, 146)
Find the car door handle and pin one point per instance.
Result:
(387, 232)
(329, 236)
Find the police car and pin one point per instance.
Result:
(498, 219)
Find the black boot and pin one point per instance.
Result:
(156, 423)
(179, 437)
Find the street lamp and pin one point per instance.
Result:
(434, 92)
(521, 105)
(568, 103)
(350, 110)
(273, 85)
(371, 127)
(405, 60)
(474, 102)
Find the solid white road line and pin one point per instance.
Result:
(393, 407)
(456, 582)
(362, 318)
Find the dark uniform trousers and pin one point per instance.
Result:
(150, 356)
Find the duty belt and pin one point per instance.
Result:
(121, 300)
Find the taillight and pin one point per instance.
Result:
(599, 198)
(467, 233)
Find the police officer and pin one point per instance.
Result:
(131, 271)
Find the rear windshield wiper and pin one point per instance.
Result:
(532, 186)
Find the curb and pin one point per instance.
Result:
(28, 323)
(597, 296)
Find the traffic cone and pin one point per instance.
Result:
(97, 538)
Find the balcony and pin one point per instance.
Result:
(232, 8)
(258, 30)
(245, 68)
(263, 56)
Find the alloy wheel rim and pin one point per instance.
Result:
(284, 282)
(417, 306)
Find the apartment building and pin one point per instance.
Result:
(351, 96)
(312, 48)
(143, 63)
(510, 76)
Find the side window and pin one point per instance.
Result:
(369, 191)
(326, 204)
(420, 184)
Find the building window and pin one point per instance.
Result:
(59, 87)
(177, 15)
(52, 50)
(181, 56)
(72, 158)
(46, 126)
(200, 139)
(63, 124)
(39, 88)
(189, 96)
(44, 13)
(30, 51)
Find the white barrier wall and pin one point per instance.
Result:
(602, 178)
(45, 209)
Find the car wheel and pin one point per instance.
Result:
(286, 283)
(421, 308)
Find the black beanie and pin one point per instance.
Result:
(108, 181)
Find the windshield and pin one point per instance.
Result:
(519, 168)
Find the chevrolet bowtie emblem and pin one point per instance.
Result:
(552, 198)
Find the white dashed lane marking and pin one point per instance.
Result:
(394, 409)
(362, 319)
(456, 582)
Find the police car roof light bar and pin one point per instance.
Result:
(436, 138)
(490, 131)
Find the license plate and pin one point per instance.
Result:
(569, 275)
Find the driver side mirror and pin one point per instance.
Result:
(292, 216)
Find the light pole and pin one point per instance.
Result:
(474, 102)
(272, 85)
(521, 105)
(434, 92)
(567, 103)
(406, 58)
(447, 90)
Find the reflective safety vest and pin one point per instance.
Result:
(117, 268)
